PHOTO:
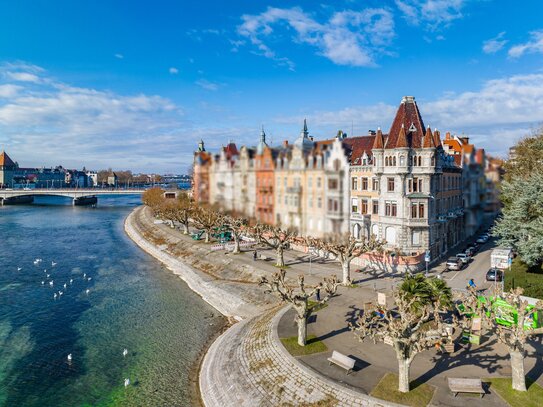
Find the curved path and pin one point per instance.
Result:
(248, 366)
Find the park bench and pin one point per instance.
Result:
(342, 360)
(457, 385)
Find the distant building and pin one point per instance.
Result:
(7, 170)
(92, 178)
(112, 180)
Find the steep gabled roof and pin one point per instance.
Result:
(379, 141)
(357, 146)
(409, 117)
(429, 141)
(5, 160)
(231, 150)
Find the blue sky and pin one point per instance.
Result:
(132, 84)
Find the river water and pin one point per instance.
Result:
(133, 303)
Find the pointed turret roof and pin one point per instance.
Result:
(5, 161)
(303, 141)
(262, 144)
(401, 141)
(408, 117)
(379, 141)
(437, 138)
(429, 139)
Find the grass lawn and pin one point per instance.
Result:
(315, 306)
(313, 345)
(387, 389)
(529, 278)
(531, 398)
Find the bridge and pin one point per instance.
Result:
(80, 196)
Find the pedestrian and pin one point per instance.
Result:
(471, 283)
(318, 294)
(254, 255)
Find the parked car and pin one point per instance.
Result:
(454, 263)
(482, 239)
(494, 274)
(464, 258)
(470, 251)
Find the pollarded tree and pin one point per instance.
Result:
(167, 210)
(403, 327)
(299, 297)
(237, 227)
(274, 237)
(185, 210)
(520, 316)
(153, 198)
(208, 220)
(345, 248)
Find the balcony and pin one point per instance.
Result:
(417, 222)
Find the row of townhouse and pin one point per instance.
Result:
(407, 186)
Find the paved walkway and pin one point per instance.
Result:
(247, 366)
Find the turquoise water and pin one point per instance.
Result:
(132, 302)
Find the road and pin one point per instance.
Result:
(476, 269)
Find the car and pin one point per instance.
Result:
(470, 251)
(494, 274)
(464, 258)
(454, 263)
(482, 239)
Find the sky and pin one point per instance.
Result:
(135, 85)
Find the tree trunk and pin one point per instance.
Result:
(403, 375)
(236, 243)
(280, 259)
(346, 267)
(302, 330)
(517, 367)
(186, 226)
(207, 236)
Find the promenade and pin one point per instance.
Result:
(248, 365)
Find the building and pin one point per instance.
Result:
(201, 185)
(112, 180)
(7, 170)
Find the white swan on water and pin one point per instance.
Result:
(69, 357)
(51, 283)
(53, 264)
(43, 282)
(125, 352)
(48, 275)
(89, 279)
(87, 291)
(126, 382)
(19, 268)
(55, 296)
(65, 285)
(71, 280)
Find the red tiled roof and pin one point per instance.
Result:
(358, 145)
(231, 150)
(407, 115)
(379, 141)
(5, 160)
(429, 141)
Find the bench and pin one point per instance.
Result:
(342, 360)
(457, 385)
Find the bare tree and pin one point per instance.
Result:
(185, 209)
(299, 298)
(403, 328)
(237, 227)
(207, 219)
(345, 248)
(275, 238)
(153, 198)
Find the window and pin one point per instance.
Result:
(415, 238)
(386, 161)
(375, 184)
(394, 209)
(354, 205)
(375, 207)
(364, 183)
(319, 202)
(414, 211)
(285, 182)
(318, 182)
(393, 161)
(387, 208)
(402, 160)
(332, 184)
(364, 206)
(390, 184)
(310, 202)
(296, 200)
(354, 183)
(310, 182)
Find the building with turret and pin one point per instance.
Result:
(7, 170)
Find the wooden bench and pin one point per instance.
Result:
(342, 360)
(457, 385)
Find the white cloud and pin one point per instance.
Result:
(22, 76)
(119, 56)
(9, 90)
(535, 45)
(173, 70)
(495, 44)
(434, 14)
(496, 115)
(207, 85)
(347, 38)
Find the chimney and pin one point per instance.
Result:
(447, 136)
(285, 143)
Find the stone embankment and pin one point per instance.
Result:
(229, 294)
(247, 365)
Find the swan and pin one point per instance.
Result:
(19, 268)
(89, 279)
(87, 291)
(126, 382)
(55, 296)
(53, 264)
(60, 293)
(125, 352)
(69, 357)
(71, 280)
(51, 283)
(65, 286)
(43, 282)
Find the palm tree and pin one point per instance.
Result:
(428, 291)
